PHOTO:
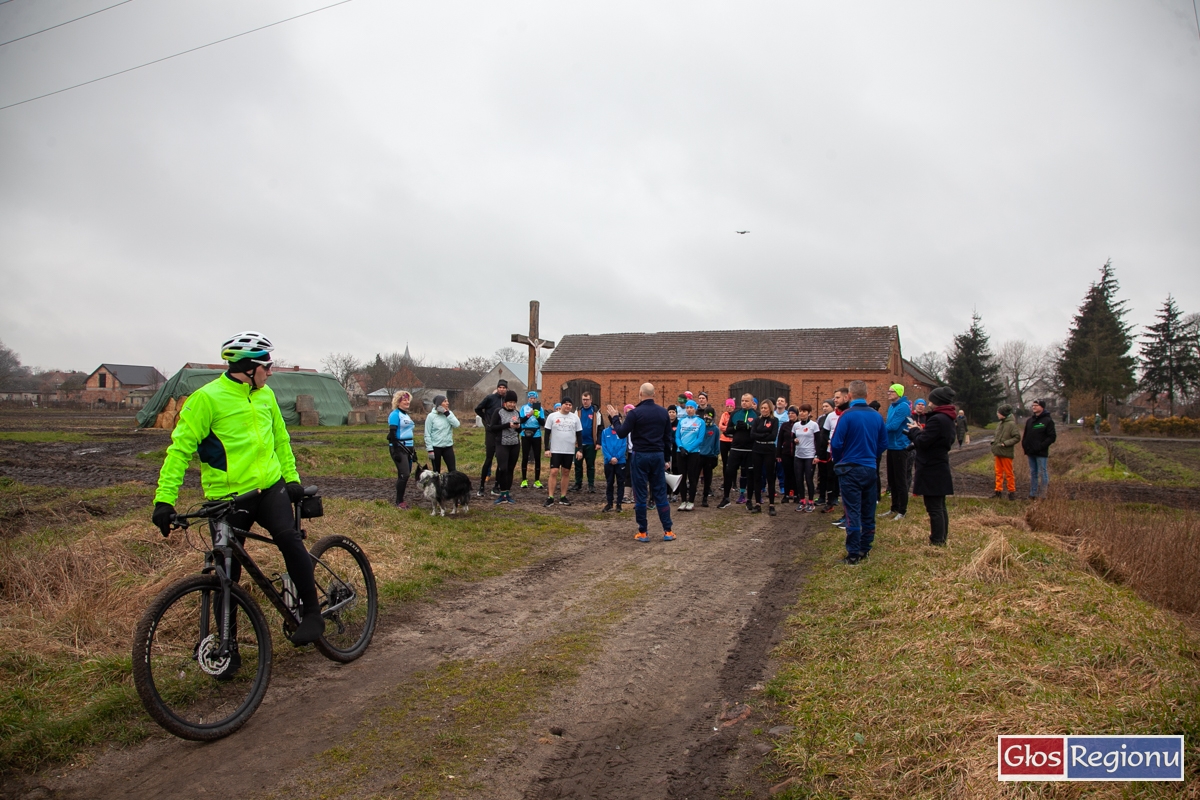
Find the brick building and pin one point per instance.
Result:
(122, 385)
(803, 365)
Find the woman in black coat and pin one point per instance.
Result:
(933, 480)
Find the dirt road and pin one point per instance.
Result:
(665, 707)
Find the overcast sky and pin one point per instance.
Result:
(384, 172)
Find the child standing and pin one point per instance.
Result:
(533, 419)
(613, 450)
(1003, 445)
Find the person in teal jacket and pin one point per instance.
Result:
(899, 412)
(689, 439)
(439, 434)
(533, 419)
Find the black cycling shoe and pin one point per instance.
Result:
(312, 627)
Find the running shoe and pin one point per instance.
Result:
(801, 508)
(606, 508)
(754, 509)
(741, 499)
(641, 537)
(668, 537)
(482, 489)
(524, 484)
(508, 496)
(563, 501)
(723, 504)
(704, 503)
(537, 484)
(549, 502)
(495, 493)
(682, 506)
(770, 511)
(850, 560)
(403, 506)
(840, 524)
(499, 501)
(898, 517)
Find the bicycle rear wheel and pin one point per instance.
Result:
(185, 684)
(348, 600)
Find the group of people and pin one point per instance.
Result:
(765, 447)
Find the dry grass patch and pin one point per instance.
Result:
(1153, 549)
(899, 673)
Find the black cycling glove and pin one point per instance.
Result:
(295, 491)
(164, 515)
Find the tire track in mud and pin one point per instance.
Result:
(693, 644)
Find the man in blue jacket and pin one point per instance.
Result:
(648, 426)
(897, 449)
(858, 441)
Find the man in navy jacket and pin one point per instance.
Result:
(647, 426)
(858, 441)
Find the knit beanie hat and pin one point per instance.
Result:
(1004, 410)
(898, 388)
(729, 403)
(438, 399)
(510, 396)
(941, 396)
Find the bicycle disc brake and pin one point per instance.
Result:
(337, 593)
(206, 656)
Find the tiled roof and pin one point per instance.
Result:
(825, 349)
(446, 377)
(132, 375)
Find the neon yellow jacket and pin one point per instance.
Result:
(240, 437)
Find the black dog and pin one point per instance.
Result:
(444, 488)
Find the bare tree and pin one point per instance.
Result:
(932, 362)
(512, 355)
(477, 363)
(342, 366)
(10, 365)
(1021, 365)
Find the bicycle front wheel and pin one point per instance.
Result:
(187, 684)
(348, 600)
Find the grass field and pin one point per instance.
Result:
(898, 674)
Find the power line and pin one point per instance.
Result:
(59, 25)
(173, 55)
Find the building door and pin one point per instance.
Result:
(575, 389)
(761, 388)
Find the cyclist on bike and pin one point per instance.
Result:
(234, 425)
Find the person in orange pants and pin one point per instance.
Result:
(1003, 443)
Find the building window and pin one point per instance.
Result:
(103, 380)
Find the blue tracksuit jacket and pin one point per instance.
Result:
(897, 424)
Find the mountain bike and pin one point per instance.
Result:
(202, 650)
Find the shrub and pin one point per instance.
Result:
(1162, 426)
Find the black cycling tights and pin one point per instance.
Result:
(273, 512)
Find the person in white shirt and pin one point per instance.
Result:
(804, 432)
(565, 432)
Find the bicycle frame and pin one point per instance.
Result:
(227, 542)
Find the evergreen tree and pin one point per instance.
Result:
(974, 374)
(1095, 361)
(1170, 359)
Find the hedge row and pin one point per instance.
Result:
(1161, 426)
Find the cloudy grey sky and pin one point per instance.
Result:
(387, 172)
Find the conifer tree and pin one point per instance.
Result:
(1170, 355)
(1095, 360)
(974, 374)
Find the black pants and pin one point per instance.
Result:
(789, 475)
(706, 475)
(897, 478)
(692, 464)
(829, 481)
(725, 446)
(489, 444)
(588, 460)
(531, 450)
(939, 518)
(272, 511)
(403, 462)
(738, 459)
(441, 454)
(764, 465)
(804, 478)
(614, 474)
(506, 465)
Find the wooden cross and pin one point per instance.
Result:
(534, 343)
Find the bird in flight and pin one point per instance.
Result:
(741, 231)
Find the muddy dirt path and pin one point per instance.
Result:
(695, 645)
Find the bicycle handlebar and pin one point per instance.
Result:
(215, 508)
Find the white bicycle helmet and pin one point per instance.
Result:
(247, 344)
